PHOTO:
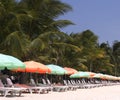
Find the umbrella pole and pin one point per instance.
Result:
(51, 78)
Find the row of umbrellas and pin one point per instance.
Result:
(36, 67)
(14, 64)
(81, 74)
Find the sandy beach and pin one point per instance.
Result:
(100, 93)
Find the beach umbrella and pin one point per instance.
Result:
(110, 77)
(99, 75)
(118, 78)
(70, 70)
(10, 62)
(56, 70)
(80, 74)
(91, 74)
(34, 67)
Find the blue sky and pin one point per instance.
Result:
(102, 17)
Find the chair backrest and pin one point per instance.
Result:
(48, 81)
(83, 81)
(44, 82)
(32, 81)
(65, 82)
(1, 84)
(9, 82)
(69, 83)
(79, 82)
(73, 82)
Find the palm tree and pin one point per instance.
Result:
(42, 20)
(109, 55)
(43, 16)
(11, 34)
(25, 20)
(55, 43)
(90, 51)
(116, 55)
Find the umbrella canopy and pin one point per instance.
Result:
(109, 77)
(57, 70)
(91, 74)
(34, 67)
(70, 70)
(10, 62)
(99, 75)
(81, 74)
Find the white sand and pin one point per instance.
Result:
(100, 93)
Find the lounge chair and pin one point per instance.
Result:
(57, 87)
(29, 88)
(5, 90)
(47, 83)
(46, 87)
(71, 86)
(80, 84)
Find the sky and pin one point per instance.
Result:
(102, 17)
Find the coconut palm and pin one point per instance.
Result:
(11, 35)
(43, 16)
(116, 55)
(90, 49)
(24, 21)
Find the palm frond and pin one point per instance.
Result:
(61, 23)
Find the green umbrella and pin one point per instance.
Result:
(56, 70)
(80, 75)
(10, 62)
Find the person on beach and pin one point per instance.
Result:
(3, 78)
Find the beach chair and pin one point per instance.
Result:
(71, 87)
(80, 84)
(6, 90)
(45, 84)
(29, 88)
(46, 88)
(87, 84)
(48, 83)
(57, 87)
(72, 82)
